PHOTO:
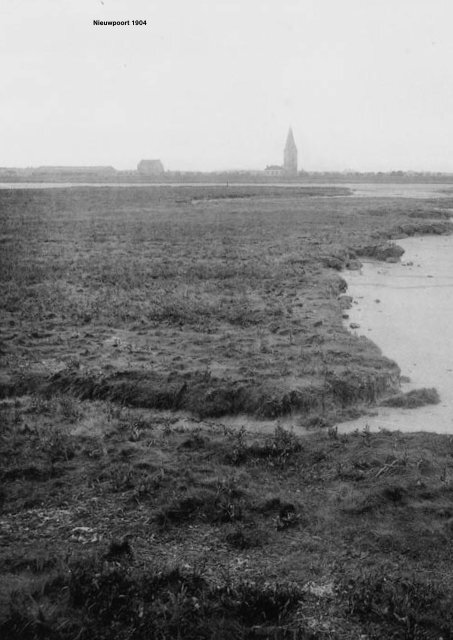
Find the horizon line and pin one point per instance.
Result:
(111, 168)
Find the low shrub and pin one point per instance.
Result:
(106, 600)
(406, 606)
(277, 449)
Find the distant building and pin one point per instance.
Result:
(273, 170)
(290, 155)
(150, 167)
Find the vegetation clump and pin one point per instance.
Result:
(383, 251)
(277, 449)
(219, 504)
(402, 606)
(413, 399)
(95, 600)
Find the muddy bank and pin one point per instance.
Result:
(318, 403)
(382, 247)
(406, 309)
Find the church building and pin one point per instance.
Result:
(289, 167)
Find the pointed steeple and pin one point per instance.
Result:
(290, 139)
(290, 155)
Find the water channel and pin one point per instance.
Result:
(407, 310)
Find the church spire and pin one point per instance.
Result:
(290, 155)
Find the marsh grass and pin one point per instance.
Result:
(220, 504)
(105, 601)
(256, 291)
(277, 449)
(413, 399)
(261, 516)
(124, 308)
(402, 605)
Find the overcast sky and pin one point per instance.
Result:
(214, 84)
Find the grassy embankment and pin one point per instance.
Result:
(123, 519)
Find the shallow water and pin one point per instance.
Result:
(407, 310)
(359, 189)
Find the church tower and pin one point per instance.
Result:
(290, 155)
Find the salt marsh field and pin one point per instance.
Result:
(147, 335)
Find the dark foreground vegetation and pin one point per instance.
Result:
(128, 523)
(142, 330)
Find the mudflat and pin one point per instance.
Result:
(136, 323)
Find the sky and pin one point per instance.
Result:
(214, 84)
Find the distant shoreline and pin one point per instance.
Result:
(224, 178)
(233, 189)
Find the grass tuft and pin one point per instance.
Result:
(413, 399)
